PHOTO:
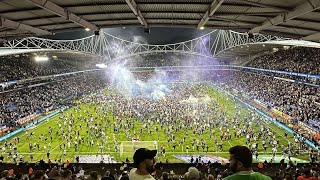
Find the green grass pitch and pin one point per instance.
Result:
(55, 153)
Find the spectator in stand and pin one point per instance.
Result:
(53, 173)
(192, 174)
(210, 177)
(306, 175)
(39, 175)
(124, 176)
(5, 175)
(108, 176)
(66, 174)
(165, 176)
(296, 59)
(93, 175)
(74, 177)
(241, 165)
(144, 161)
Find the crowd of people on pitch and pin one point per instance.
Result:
(188, 111)
(145, 166)
(45, 97)
(23, 66)
(297, 59)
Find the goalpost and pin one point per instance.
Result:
(129, 147)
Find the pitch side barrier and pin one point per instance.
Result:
(280, 72)
(22, 81)
(225, 67)
(231, 67)
(267, 117)
(32, 124)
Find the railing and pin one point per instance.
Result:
(32, 124)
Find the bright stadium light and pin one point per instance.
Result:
(102, 66)
(41, 58)
(201, 28)
(87, 29)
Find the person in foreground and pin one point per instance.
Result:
(241, 165)
(144, 161)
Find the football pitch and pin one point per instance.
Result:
(57, 151)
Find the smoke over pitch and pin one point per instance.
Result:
(155, 85)
(130, 86)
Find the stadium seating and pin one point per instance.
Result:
(19, 104)
(175, 171)
(296, 59)
(293, 99)
(15, 67)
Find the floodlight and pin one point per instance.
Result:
(102, 66)
(41, 58)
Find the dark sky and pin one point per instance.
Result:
(158, 35)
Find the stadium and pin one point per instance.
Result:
(219, 88)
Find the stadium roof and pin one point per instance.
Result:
(252, 49)
(232, 53)
(291, 18)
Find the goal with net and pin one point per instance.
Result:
(129, 147)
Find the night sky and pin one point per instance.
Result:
(158, 35)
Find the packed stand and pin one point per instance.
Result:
(16, 67)
(297, 59)
(43, 98)
(296, 100)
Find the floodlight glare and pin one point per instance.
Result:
(87, 29)
(201, 27)
(102, 66)
(41, 58)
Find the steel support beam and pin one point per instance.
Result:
(249, 14)
(264, 14)
(212, 9)
(233, 21)
(312, 37)
(54, 8)
(19, 26)
(306, 7)
(299, 28)
(262, 5)
(14, 35)
(133, 6)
